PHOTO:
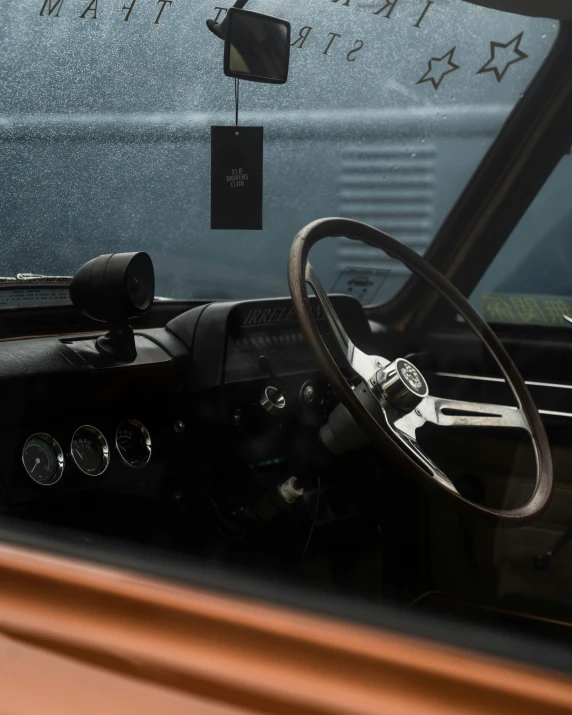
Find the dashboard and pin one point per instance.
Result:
(219, 393)
(208, 443)
(228, 338)
(72, 426)
(69, 427)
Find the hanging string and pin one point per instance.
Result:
(236, 96)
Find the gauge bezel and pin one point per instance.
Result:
(147, 438)
(58, 451)
(104, 446)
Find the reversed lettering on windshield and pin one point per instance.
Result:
(502, 54)
(90, 9)
(328, 42)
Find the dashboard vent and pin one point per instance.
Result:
(390, 187)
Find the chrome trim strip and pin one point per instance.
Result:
(551, 413)
(548, 413)
(531, 383)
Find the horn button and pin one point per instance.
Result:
(402, 384)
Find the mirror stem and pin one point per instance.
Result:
(218, 28)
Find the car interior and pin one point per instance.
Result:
(189, 378)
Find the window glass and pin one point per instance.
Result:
(105, 125)
(230, 457)
(530, 280)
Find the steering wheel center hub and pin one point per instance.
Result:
(402, 384)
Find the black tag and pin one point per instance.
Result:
(236, 177)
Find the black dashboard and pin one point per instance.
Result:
(226, 339)
(54, 397)
(191, 405)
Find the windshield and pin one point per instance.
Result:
(106, 115)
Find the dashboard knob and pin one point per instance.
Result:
(273, 401)
(308, 393)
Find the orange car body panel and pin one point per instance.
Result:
(91, 639)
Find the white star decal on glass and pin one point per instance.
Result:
(503, 56)
(438, 68)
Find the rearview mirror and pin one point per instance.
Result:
(257, 47)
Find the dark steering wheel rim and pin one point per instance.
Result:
(297, 279)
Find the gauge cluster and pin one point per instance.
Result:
(45, 460)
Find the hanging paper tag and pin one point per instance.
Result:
(236, 177)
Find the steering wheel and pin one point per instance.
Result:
(393, 400)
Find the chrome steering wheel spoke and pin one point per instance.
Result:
(366, 366)
(449, 413)
(459, 413)
(404, 428)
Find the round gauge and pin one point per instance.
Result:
(133, 443)
(90, 451)
(43, 459)
(140, 282)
